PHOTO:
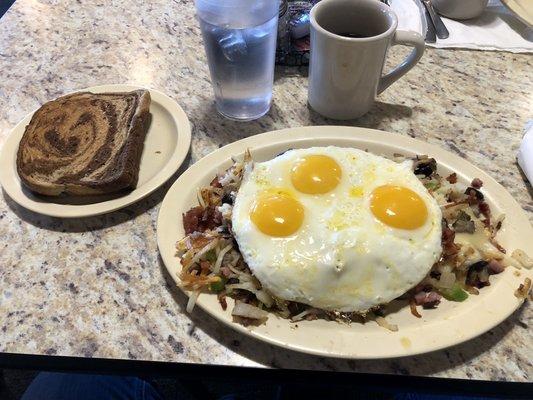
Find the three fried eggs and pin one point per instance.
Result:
(336, 228)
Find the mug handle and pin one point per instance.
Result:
(405, 38)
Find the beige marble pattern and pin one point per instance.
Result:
(95, 287)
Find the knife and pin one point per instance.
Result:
(430, 31)
(440, 28)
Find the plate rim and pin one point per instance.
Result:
(8, 175)
(335, 133)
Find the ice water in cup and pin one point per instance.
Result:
(240, 44)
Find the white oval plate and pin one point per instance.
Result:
(451, 323)
(166, 145)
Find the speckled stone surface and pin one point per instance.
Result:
(96, 287)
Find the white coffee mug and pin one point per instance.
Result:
(349, 43)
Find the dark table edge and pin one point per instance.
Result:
(189, 371)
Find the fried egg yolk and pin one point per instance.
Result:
(316, 174)
(398, 207)
(277, 214)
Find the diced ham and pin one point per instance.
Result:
(495, 267)
(205, 265)
(427, 299)
(225, 271)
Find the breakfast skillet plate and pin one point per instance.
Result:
(449, 324)
(166, 145)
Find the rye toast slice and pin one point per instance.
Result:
(85, 144)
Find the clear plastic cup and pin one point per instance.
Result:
(240, 43)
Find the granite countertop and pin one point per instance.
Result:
(96, 287)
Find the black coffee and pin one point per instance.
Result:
(354, 35)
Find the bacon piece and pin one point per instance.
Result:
(476, 183)
(478, 274)
(215, 182)
(199, 240)
(484, 209)
(452, 178)
(474, 195)
(449, 248)
(425, 166)
(199, 219)
(222, 301)
(191, 219)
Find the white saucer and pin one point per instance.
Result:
(166, 146)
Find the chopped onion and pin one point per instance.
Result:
(242, 285)
(192, 301)
(447, 279)
(498, 221)
(385, 324)
(248, 311)
(200, 197)
(264, 298)
(522, 258)
(261, 295)
(207, 247)
(300, 316)
(220, 256)
(523, 289)
(243, 276)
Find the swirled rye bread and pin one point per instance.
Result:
(85, 144)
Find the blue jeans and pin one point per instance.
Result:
(59, 386)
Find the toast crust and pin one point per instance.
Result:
(85, 144)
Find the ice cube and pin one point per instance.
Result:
(232, 44)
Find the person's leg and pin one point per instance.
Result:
(414, 396)
(60, 386)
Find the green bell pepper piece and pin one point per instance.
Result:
(456, 293)
(211, 256)
(218, 286)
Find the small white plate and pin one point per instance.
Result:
(165, 147)
(451, 323)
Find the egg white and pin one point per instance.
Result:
(342, 258)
